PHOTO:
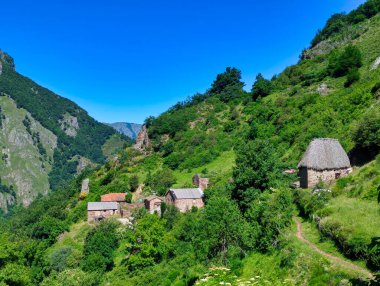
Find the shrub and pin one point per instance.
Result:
(353, 76)
(341, 63)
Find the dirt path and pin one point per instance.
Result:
(333, 258)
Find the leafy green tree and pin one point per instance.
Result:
(225, 228)
(261, 87)
(256, 170)
(99, 247)
(231, 77)
(160, 181)
(146, 241)
(341, 63)
(16, 274)
(367, 131)
(133, 183)
(352, 76)
(269, 214)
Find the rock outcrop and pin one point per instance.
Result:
(142, 140)
(376, 64)
(69, 125)
(323, 89)
(6, 201)
(85, 186)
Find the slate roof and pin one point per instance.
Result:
(113, 197)
(325, 154)
(194, 193)
(149, 198)
(102, 206)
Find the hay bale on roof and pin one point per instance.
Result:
(325, 154)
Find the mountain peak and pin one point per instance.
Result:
(7, 59)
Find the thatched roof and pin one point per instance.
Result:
(190, 193)
(325, 154)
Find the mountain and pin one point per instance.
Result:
(130, 130)
(254, 229)
(45, 139)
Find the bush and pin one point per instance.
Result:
(341, 63)
(353, 76)
(366, 133)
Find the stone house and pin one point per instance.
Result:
(153, 204)
(185, 199)
(113, 197)
(97, 211)
(324, 160)
(200, 182)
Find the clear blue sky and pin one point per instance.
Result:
(123, 60)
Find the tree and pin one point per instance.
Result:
(367, 131)
(160, 181)
(225, 228)
(352, 76)
(231, 77)
(341, 63)
(133, 183)
(256, 170)
(261, 87)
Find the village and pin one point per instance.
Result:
(324, 161)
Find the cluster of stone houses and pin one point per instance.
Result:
(324, 161)
(114, 204)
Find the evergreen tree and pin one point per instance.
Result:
(261, 87)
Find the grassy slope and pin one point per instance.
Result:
(24, 166)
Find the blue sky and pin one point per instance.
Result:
(123, 60)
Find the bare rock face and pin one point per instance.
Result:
(6, 200)
(1, 68)
(376, 64)
(69, 124)
(83, 162)
(323, 89)
(142, 140)
(85, 186)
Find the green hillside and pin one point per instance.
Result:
(254, 228)
(43, 136)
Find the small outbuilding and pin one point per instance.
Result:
(185, 199)
(153, 204)
(97, 211)
(200, 182)
(113, 197)
(324, 160)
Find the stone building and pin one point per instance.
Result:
(199, 182)
(185, 199)
(97, 211)
(113, 197)
(153, 204)
(324, 160)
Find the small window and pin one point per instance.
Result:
(337, 175)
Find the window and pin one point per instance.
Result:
(337, 175)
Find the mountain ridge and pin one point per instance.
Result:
(130, 130)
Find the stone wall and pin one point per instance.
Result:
(153, 205)
(99, 215)
(310, 178)
(184, 205)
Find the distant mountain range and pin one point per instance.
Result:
(128, 129)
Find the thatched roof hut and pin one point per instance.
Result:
(325, 154)
(324, 160)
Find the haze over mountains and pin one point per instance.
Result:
(130, 130)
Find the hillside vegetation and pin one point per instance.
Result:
(50, 133)
(243, 141)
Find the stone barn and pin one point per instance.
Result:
(113, 197)
(153, 204)
(97, 211)
(185, 199)
(324, 160)
(200, 182)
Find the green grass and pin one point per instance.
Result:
(219, 169)
(359, 217)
